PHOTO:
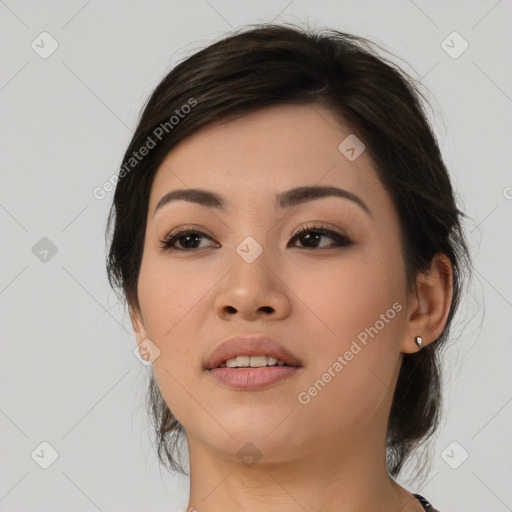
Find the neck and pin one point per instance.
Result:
(349, 477)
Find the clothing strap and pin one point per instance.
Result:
(425, 504)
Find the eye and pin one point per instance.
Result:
(188, 238)
(185, 236)
(311, 234)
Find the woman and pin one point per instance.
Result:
(285, 234)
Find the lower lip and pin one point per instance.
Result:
(249, 379)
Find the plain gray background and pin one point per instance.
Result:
(68, 374)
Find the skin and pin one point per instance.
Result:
(329, 454)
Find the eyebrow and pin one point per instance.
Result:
(283, 200)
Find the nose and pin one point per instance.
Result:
(253, 291)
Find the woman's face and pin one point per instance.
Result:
(338, 306)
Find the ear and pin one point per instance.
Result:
(429, 306)
(138, 324)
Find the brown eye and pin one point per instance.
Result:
(186, 237)
(310, 235)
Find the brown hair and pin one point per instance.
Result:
(271, 64)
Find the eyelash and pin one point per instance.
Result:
(340, 240)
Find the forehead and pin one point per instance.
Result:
(252, 158)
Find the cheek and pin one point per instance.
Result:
(167, 293)
(169, 300)
(358, 306)
(348, 294)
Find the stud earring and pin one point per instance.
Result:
(418, 341)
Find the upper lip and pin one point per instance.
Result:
(250, 346)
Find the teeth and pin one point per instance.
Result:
(251, 361)
(243, 360)
(256, 361)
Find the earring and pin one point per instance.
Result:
(418, 341)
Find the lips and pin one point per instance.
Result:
(250, 346)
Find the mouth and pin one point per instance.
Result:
(244, 378)
(251, 363)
